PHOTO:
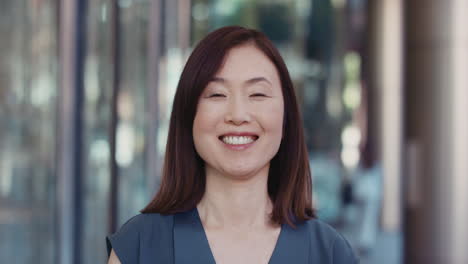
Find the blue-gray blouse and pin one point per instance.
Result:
(180, 239)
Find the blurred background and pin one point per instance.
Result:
(86, 88)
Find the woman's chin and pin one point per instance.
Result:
(243, 173)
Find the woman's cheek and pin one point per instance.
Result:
(208, 113)
(273, 112)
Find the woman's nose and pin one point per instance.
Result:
(237, 112)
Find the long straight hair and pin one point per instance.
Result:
(183, 176)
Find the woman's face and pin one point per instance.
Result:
(239, 121)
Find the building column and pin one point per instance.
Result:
(385, 71)
(436, 107)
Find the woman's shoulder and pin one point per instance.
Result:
(146, 225)
(322, 231)
(142, 222)
(326, 239)
(140, 232)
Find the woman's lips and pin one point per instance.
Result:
(238, 141)
(238, 146)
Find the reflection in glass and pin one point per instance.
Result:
(96, 119)
(132, 108)
(28, 97)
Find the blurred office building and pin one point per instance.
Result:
(86, 88)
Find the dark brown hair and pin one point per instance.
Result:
(183, 176)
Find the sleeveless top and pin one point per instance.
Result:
(180, 238)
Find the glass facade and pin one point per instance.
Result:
(133, 53)
(132, 107)
(98, 76)
(28, 105)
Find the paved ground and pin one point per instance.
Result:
(387, 247)
(388, 250)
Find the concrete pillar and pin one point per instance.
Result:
(385, 67)
(436, 107)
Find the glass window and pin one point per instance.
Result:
(28, 102)
(133, 108)
(131, 128)
(98, 77)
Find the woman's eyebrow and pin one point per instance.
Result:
(218, 80)
(250, 81)
(256, 80)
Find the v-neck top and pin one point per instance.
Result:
(180, 239)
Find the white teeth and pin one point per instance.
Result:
(237, 140)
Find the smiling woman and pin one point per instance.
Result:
(236, 184)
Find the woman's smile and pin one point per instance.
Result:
(238, 141)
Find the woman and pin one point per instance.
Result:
(236, 185)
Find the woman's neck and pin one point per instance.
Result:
(237, 204)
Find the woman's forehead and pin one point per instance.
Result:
(247, 63)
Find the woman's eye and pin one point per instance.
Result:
(258, 95)
(217, 95)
